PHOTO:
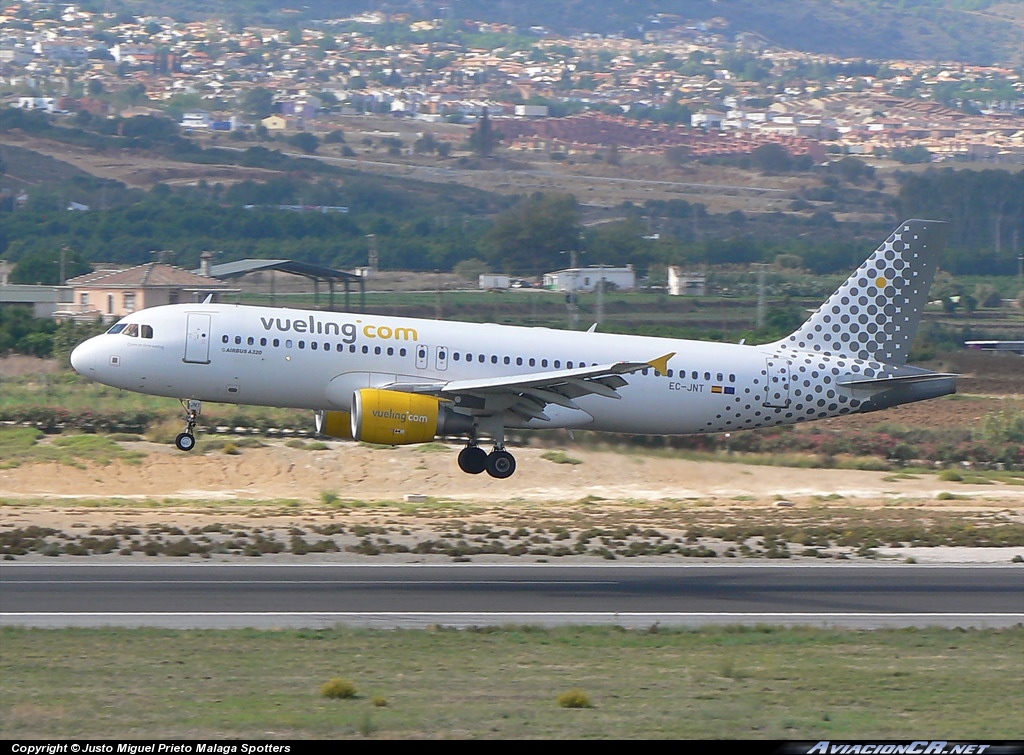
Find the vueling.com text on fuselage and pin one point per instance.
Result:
(347, 331)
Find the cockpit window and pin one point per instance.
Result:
(132, 329)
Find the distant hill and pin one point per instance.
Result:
(972, 31)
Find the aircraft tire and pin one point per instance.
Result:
(501, 464)
(185, 442)
(472, 460)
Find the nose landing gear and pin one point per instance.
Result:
(186, 441)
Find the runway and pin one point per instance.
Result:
(229, 595)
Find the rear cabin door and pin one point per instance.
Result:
(777, 390)
(197, 338)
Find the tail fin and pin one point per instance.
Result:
(875, 313)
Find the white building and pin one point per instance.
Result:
(683, 283)
(589, 278)
(491, 281)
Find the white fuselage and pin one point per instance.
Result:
(316, 360)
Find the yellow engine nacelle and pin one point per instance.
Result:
(395, 418)
(334, 424)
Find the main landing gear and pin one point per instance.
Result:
(498, 463)
(186, 441)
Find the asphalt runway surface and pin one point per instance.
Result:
(312, 595)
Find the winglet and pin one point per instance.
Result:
(661, 363)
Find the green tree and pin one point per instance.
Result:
(257, 102)
(307, 142)
(529, 238)
(484, 138)
(771, 158)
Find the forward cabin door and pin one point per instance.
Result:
(197, 338)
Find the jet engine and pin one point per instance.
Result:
(334, 424)
(395, 418)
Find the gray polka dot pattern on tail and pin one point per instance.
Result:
(875, 314)
(864, 331)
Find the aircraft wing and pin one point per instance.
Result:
(527, 394)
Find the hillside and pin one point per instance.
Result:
(973, 31)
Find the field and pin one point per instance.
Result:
(505, 683)
(594, 183)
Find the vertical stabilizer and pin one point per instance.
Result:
(875, 314)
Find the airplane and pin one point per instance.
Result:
(397, 381)
(1002, 347)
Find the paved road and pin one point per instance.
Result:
(462, 595)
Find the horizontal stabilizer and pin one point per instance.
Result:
(883, 382)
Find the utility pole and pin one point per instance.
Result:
(760, 295)
(372, 261)
(571, 299)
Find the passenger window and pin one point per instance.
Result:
(288, 343)
(519, 361)
(558, 363)
(238, 340)
(533, 362)
(251, 341)
(508, 360)
(263, 342)
(313, 345)
(302, 344)
(277, 342)
(494, 359)
(223, 339)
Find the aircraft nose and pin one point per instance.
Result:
(83, 358)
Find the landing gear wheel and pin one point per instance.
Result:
(472, 460)
(185, 442)
(500, 464)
